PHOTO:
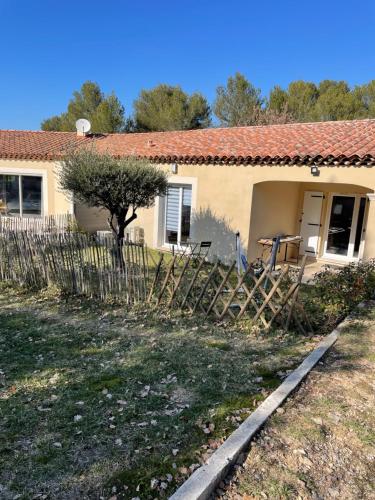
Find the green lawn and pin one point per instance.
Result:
(97, 401)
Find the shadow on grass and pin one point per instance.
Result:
(51, 366)
(64, 360)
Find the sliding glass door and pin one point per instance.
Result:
(345, 226)
(20, 195)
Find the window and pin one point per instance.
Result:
(177, 215)
(20, 195)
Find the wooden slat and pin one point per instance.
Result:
(295, 294)
(220, 288)
(165, 283)
(271, 292)
(234, 292)
(204, 288)
(192, 283)
(177, 282)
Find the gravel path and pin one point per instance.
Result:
(321, 443)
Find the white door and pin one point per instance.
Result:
(310, 224)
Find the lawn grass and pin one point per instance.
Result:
(97, 400)
(321, 442)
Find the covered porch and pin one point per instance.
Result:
(333, 220)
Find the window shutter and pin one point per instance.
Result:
(173, 208)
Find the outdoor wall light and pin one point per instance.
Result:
(315, 171)
(174, 168)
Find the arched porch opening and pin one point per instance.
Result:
(332, 219)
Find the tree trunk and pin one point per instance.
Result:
(119, 234)
(120, 243)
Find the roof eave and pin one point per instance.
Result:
(319, 160)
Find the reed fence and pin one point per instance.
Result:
(60, 223)
(77, 263)
(49, 251)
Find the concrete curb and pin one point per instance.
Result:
(203, 481)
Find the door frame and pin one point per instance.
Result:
(349, 257)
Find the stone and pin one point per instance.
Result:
(317, 420)
(299, 451)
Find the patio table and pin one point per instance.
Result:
(288, 239)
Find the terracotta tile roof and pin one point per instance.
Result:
(30, 145)
(345, 142)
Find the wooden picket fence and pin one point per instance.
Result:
(193, 284)
(79, 264)
(60, 223)
(49, 251)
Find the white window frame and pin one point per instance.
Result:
(350, 256)
(160, 211)
(30, 173)
(180, 200)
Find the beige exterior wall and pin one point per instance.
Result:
(277, 208)
(274, 211)
(332, 179)
(53, 200)
(91, 219)
(234, 198)
(221, 207)
(254, 200)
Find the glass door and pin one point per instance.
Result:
(340, 225)
(345, 226)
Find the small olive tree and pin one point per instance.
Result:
(121, 186)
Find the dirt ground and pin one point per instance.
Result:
(321, 443)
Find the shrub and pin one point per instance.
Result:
(337, 291)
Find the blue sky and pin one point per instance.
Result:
(49, 48)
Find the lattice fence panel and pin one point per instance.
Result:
(193, 284)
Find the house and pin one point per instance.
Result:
(316, 180)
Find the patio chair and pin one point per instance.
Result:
(200, 249)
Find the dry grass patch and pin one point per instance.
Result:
(321, 443)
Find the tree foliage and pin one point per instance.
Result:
(121, 186)
(278, 99)
(105, 113)
(330, 100)
(238, 103)
(336, 102)
(169, 108)
(366, 95)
